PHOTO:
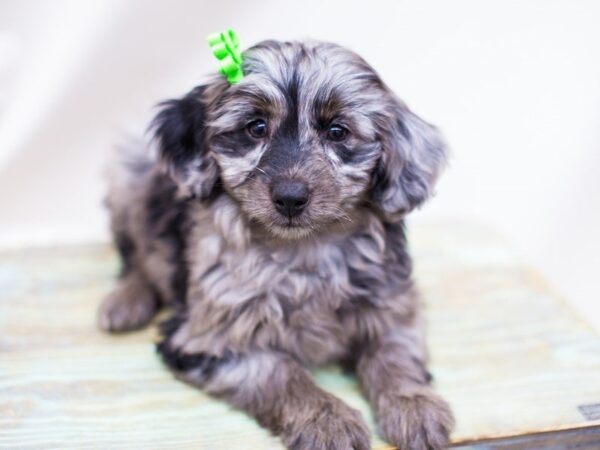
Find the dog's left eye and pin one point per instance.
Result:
(337, 133)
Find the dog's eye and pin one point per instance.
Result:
(337, 133)
(257, 128)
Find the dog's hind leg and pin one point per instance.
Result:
(133, 302)
(130, 306)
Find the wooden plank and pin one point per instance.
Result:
(510, 357)
(581, 439)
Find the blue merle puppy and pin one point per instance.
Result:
(269, 216)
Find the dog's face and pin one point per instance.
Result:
(309, 136)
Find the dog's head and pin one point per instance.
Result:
(309, 135)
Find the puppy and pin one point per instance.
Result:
(271, 221)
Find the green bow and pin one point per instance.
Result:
(226, 47)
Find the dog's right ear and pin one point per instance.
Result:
(414, 154)
(179, 130)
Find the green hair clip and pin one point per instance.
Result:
(226, 47)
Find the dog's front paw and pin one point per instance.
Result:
(418, 421)
(333, 426)
(130, 306)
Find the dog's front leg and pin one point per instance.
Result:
(393, 376)
(281, 395)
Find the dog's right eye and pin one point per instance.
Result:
(257, 128)
(337, 133)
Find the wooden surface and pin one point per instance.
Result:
(587, 438)
(507, 353)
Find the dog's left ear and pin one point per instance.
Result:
(414, 154)
(180, 131)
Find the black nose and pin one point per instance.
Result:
(290, 197)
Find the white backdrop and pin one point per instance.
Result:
(514, 85)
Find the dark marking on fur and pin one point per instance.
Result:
(398, 262)
(357, 154)
(126, 248)
(203, 365)
(428, 376)
(424, 376)
(179, 127)
(166, 221)
(235, 143)
(210, 270)
(380, 181)
(284, 150)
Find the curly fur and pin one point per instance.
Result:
(259, 296)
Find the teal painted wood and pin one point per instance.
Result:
(507, 353)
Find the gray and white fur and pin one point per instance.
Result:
(270, 219)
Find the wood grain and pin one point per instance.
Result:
(580, 439)
(507, 353)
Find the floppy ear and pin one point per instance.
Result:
(413, 156)
(179, 129)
